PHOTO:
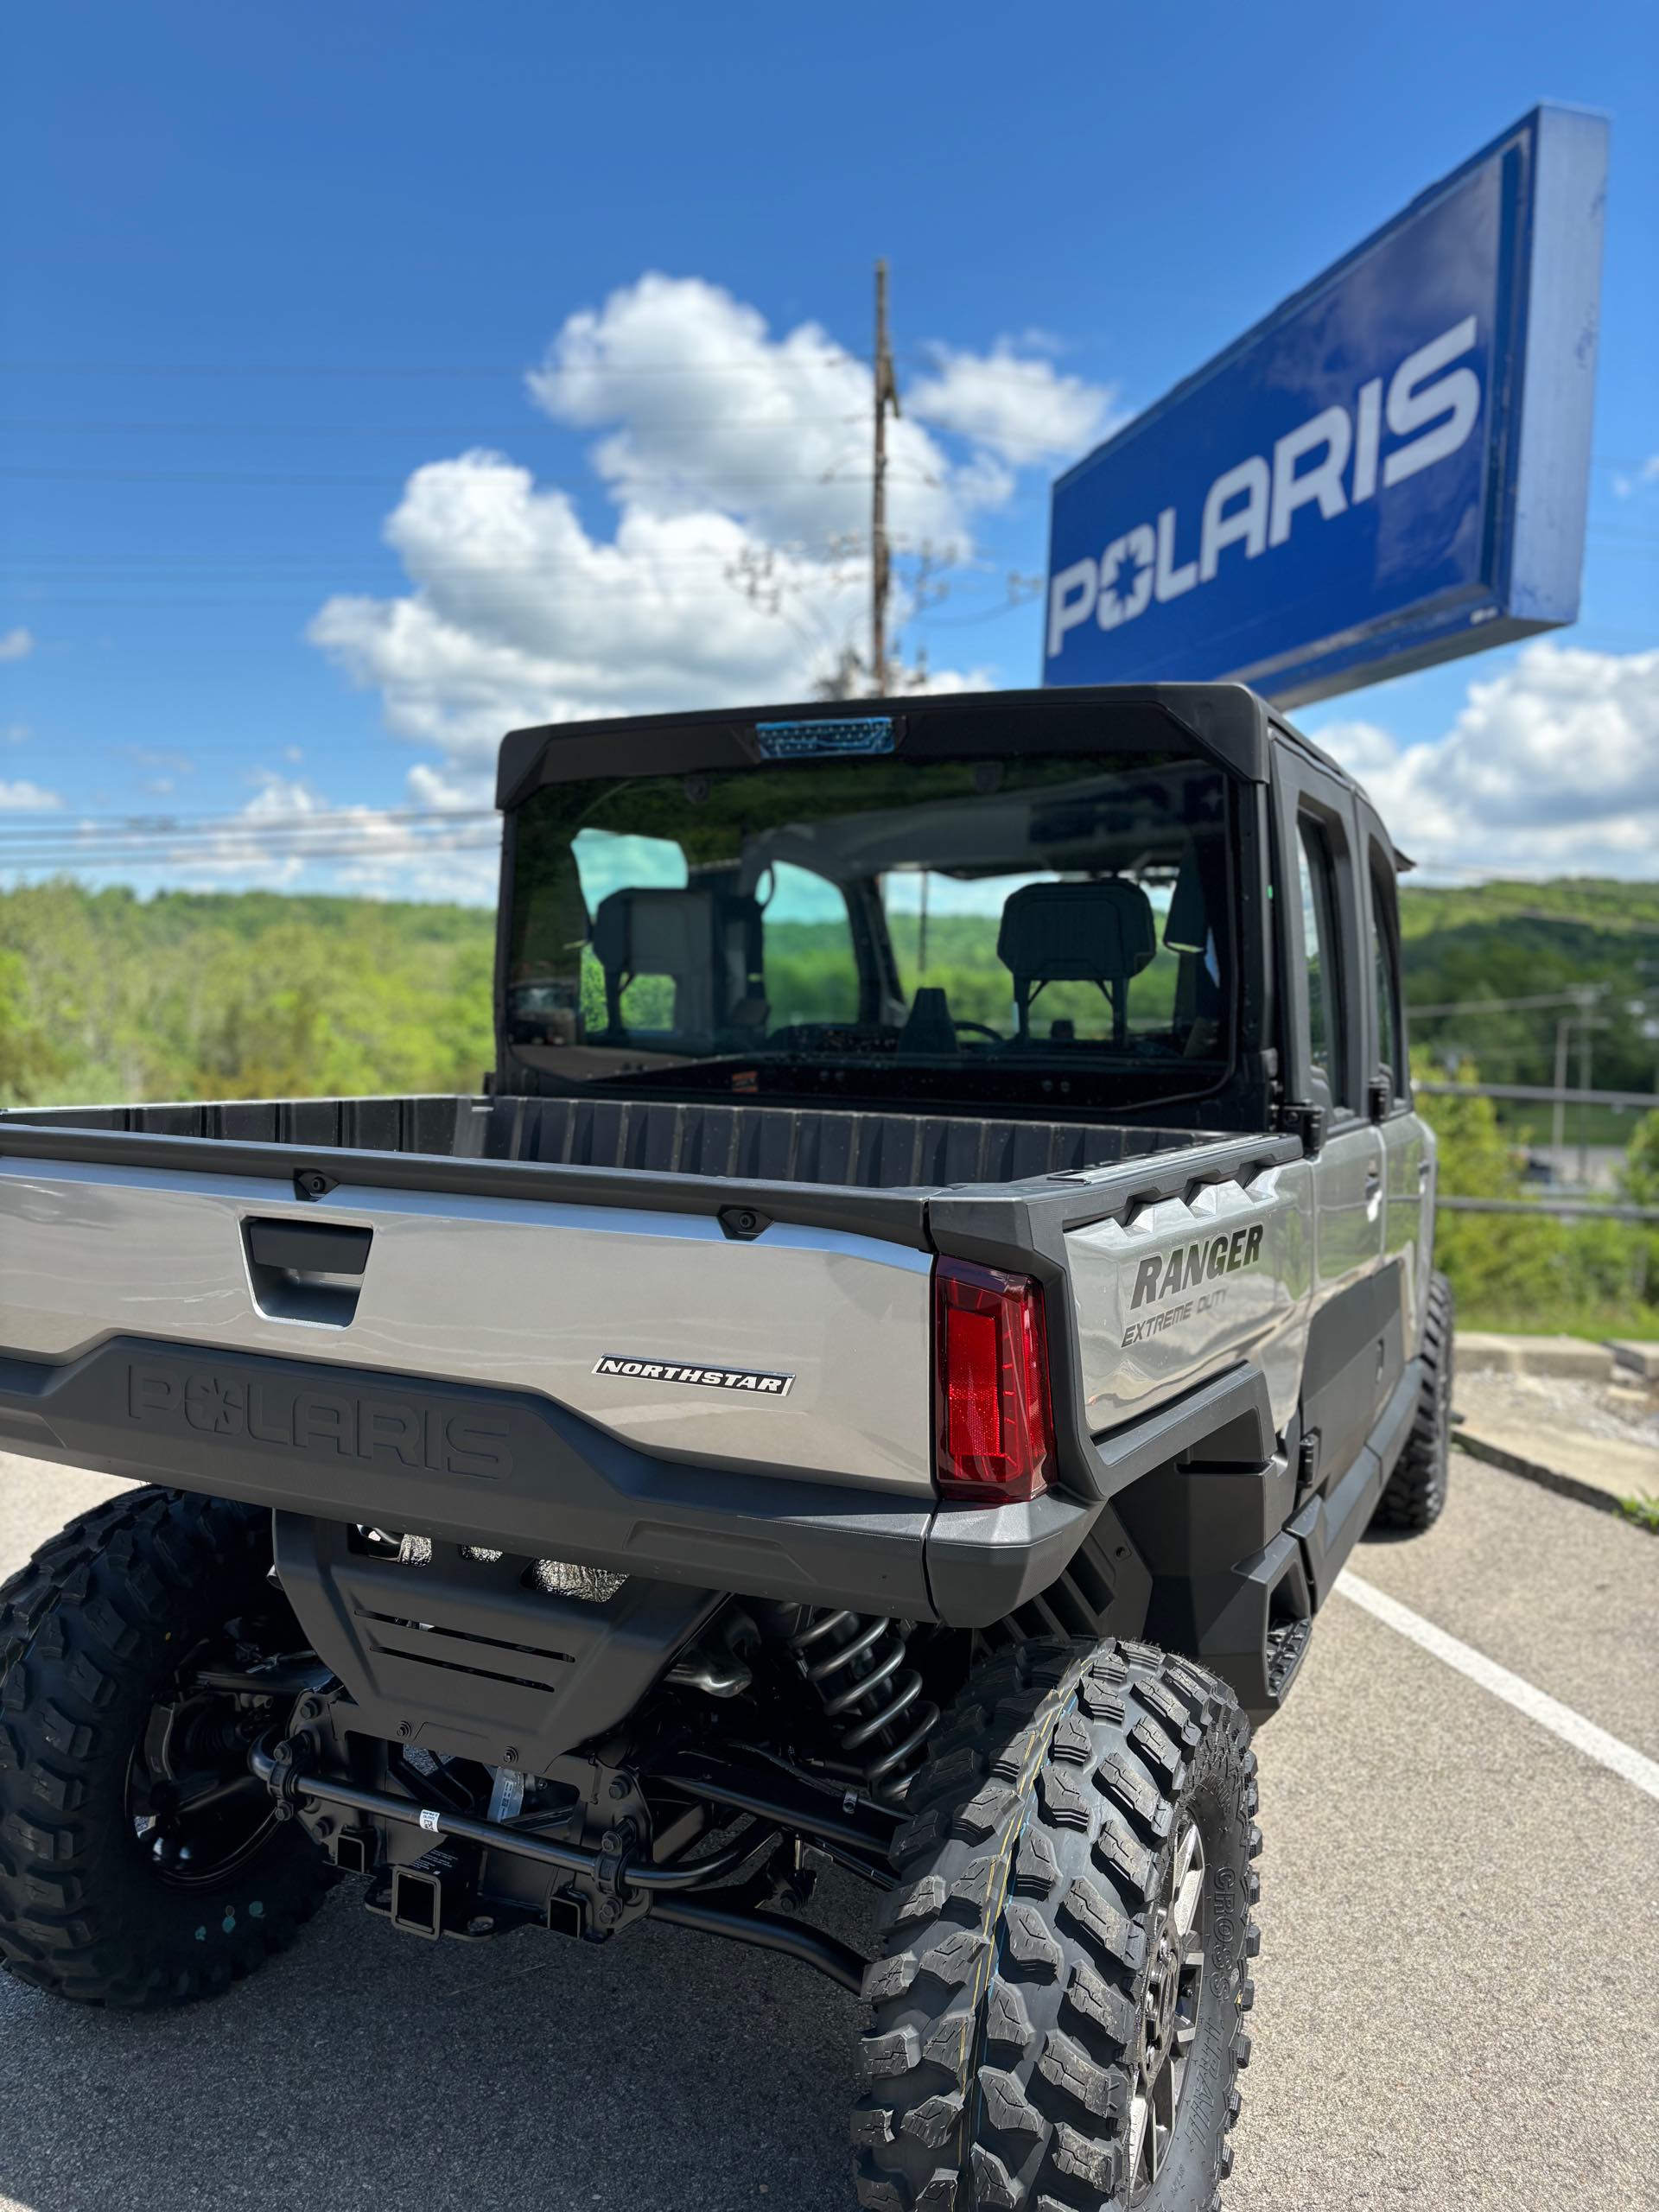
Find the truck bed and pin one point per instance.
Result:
(771, 1144)
(494, 1320)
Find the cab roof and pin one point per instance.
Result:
(1224, 722)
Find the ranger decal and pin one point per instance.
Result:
(1161, 1274)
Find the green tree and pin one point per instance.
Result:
(1639, 1187)
(1485, 1255)
(1536, 1275)
(27, 1062)
(1639, 1184)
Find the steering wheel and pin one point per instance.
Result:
(983, 1029)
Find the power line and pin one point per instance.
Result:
(231, 866)
(367, 829)
(139, 839)
(171, 822)
(601, 595)
(201, 852)
(833, 356)
(109, 830)
(727, 421)
(630, 567)
(241, 844)
(365, 834)
(312, 479)
(830, 546)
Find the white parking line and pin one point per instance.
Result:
(1549, 1712)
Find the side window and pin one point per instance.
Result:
(1323, 948)
(1385, 971)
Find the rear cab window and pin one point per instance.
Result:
(1061, 924)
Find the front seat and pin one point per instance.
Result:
(707, 941)
(1101, 933)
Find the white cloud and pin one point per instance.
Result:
(1648, 473)
(517, 615)
(1552, 766)
(16, 644)
(15, 733)
(738, 465)
(26, 798)
(702, 408)
(1019, 410)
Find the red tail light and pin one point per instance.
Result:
(994, 1430)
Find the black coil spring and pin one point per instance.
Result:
(871, 1694)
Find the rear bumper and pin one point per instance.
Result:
(516, 1472)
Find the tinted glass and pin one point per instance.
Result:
(973, 915)
(1385, 971)
(1322, 950)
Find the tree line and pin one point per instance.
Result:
(106, 998)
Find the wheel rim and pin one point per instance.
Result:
(196, 1812)
(1169, 2012)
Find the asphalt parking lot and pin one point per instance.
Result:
(1459, 1987)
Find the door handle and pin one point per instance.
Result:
(286, 1258)
(308, 1248)
(1373, 1194)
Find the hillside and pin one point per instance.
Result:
(1529, 940)
(106, 997)
(235, 994)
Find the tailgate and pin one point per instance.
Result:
(799, 1348)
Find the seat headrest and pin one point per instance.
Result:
(1078, 932)
(652, 931)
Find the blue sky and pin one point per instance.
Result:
(271, 276)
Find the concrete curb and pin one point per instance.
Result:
(1480, 1351)
(1636, 1361)
(1533, 1471)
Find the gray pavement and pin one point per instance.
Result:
(1460, 1979)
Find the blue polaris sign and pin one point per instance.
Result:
(1390, 470)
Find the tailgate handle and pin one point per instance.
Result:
(308, 1248)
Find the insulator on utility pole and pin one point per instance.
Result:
(887, 395)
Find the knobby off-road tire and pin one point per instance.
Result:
(1414, 1495)
(95, 1634)
(1032, 1970)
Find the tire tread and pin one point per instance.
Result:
(1413, 1497)
(1008, 2084)
(93, 1607)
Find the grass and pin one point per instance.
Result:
(1639, 1324)
(1643, 1509)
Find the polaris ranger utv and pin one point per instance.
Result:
(885, 1376)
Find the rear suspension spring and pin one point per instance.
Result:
(871, 1694)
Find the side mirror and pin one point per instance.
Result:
(1380, 1095)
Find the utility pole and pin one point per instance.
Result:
(1558, 1116)
(887, 395)
(1584, 1111)
(1585, 997)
